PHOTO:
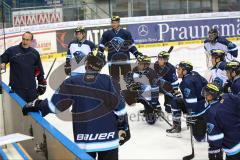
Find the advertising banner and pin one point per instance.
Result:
(43, 42)
(183, 30)
(33, 17)
(64, 37)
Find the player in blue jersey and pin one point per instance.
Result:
(78, 50)
(192, 102)
(223, 125)
(233, 72)
(119, 43)
(166, 72)
(214, 41)
(100, 121)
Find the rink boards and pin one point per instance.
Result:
(48, 142)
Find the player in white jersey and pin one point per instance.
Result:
(218, 72)
(214, 41)
(78, 50)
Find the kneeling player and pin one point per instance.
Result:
(166, 72)
(192, 102)
(141, 84)
(218, 72)
(233, 74)
(223, 123)
(100, 121)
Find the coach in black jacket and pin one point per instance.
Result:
(25, 65)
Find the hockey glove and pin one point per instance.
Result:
(42, 85)
(129, 78)
(177, 93)
(139, 55)
(31, 107)
(227, 87)
(124, 136)
(123, 129)
(78, 56)
(191, 120)
(3, 68)
(215, 154)
(67, 68)
(135, 86)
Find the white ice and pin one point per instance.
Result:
(148, 141)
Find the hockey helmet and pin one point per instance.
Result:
(115, 18)
(233, 66)
(218, 54)
(211, 89)
(80, 29)
(144, 59)
(164, 54)
(186, 66)
(96, 60)
(213, 34)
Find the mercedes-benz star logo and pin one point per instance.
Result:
(143, 30)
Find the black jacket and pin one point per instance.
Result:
(23, 62)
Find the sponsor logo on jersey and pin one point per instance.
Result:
(97, 136)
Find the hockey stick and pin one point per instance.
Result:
(145, 102)
(191, 156)
(169, 51)
(51, 68)
(129, 61)
(165, 119)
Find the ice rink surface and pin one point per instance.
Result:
(147, 141)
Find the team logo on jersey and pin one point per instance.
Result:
(143, 30)
(117, 43)
(187, 92)
(210, 127)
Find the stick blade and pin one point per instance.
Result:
(189, 157)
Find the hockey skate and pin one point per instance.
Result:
(175, 131)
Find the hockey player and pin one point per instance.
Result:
(233, 72)
(214, 41)
(119, 42)
(192, 102)
(223, 123)
(218, 72)
(167, 72)
(25, 65)
(100, 121)
(142, 80)
(78, 49)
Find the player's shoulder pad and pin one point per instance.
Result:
(73, 79)
(104, 75)
(206, 41)
(72, 42)
(90, 43)
(124, 31)
(236, 82)
(222, 65)
(109, 31)
(223, 40)
(231, 98)
(172, 67)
